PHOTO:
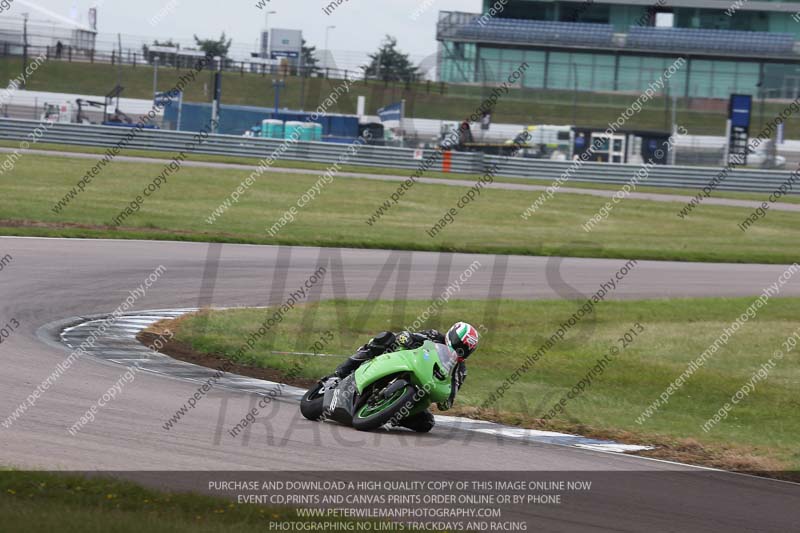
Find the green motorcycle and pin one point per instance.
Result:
(385, 389)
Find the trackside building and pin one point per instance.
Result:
(729, 46)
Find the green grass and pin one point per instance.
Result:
(675, 332)
(307, 165)
(45, 502)
(635, 229)
(456, 102)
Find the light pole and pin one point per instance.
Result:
(156, 59)
(215, 104)
(24, 48)
(761, 85)
(278, 85)
(574, 94)
(266, 31)
(327, 52)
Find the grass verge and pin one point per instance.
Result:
(338, 215)
(384, 171)
(759, 434)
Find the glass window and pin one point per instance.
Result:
(512, 55)
(490, 53)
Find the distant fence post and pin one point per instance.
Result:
(480, 165)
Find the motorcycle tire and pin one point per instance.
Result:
(372, 415)
(311, 403)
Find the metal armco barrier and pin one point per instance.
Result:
(231, 145)
(740, 180)
(401, 158)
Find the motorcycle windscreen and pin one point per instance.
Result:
(448, 358)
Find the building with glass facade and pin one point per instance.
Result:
(730, 46)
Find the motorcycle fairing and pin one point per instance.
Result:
(339, 400)
(419, 363)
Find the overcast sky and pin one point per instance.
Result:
(360, 24)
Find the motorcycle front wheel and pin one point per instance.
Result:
(384, 403)
(311, 403)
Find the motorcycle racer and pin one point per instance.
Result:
(461, 337)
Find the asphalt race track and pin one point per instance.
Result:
(53, 279)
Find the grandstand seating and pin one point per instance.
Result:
(536, 31)
(473, 27)
(721, 41)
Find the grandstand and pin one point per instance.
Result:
(614, 46)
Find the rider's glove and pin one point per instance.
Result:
(433, 335)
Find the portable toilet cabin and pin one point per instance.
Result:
(294, 130)
(317, 131)
(272, 129)
(308, 131)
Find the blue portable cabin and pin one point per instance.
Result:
(237, 119)
(335, 128)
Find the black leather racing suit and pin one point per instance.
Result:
(387, 342)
